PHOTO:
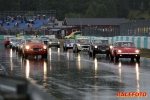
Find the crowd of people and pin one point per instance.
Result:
(20, 19)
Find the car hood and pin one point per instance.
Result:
(84, 43)
(127, 49)
(35, 44)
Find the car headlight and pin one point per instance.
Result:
(119, 51)
(58, 42)
(49, 42)
(27, 47)
(44, 47)
(10, 42)
(78, 44)
(111, 47)
(95, 46)
(137, 51)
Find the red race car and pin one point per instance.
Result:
(34, 46)
(7, 40)
(124, 49)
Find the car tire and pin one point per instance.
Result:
(90, 54)
(132, 59)
(116, 58)
(94, 54)
(25, 55)
(76, 49)
(44, 55)
(138, 59)
(73, 49)
(107, 55)
(111, 57)
(5, 45)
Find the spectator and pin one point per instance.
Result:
(7, 22)
(16, 24)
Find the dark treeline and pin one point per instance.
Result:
(78, 8)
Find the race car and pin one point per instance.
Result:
(99, 46)
(45, 39)
(53, 42)
(7, 40)
(68, 44)
(15, 42)
(124, 49)
(81, 44)
(34, 46)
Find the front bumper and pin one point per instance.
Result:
(83, 48)
(128, 55)
(101, 51)
(36, 51)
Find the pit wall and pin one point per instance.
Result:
(140, 42)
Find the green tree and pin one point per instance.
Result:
(90, 12)
(111, 7)
(149, 8)
(122, 8)
(101, 11)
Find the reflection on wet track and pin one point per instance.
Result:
(68, 76)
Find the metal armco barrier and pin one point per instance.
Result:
(19, 88)
(140, 42)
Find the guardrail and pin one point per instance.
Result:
(140, 42)
(18, 88)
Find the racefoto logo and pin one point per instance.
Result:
(131, 94)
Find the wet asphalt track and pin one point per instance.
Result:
(69, 76)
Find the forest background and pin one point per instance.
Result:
(129, 9)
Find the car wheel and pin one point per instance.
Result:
(76, 49)
(138, 59)
(5, 45)
(116, 58)
(90, 54)
(25, 55)
(44, 55)
(63, 48)
(94, 54)
(111, 56)
(107, 55)
(73, 49)
(132, 59)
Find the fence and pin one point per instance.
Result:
(28, 13)
(138, 28)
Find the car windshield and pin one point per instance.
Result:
(126, 44)
(44, 37)
(69, 41)
(53, 40)
(100, 41)
(16, 40)
(82, 40)
(33, 41)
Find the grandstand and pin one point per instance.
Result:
(25, 19)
